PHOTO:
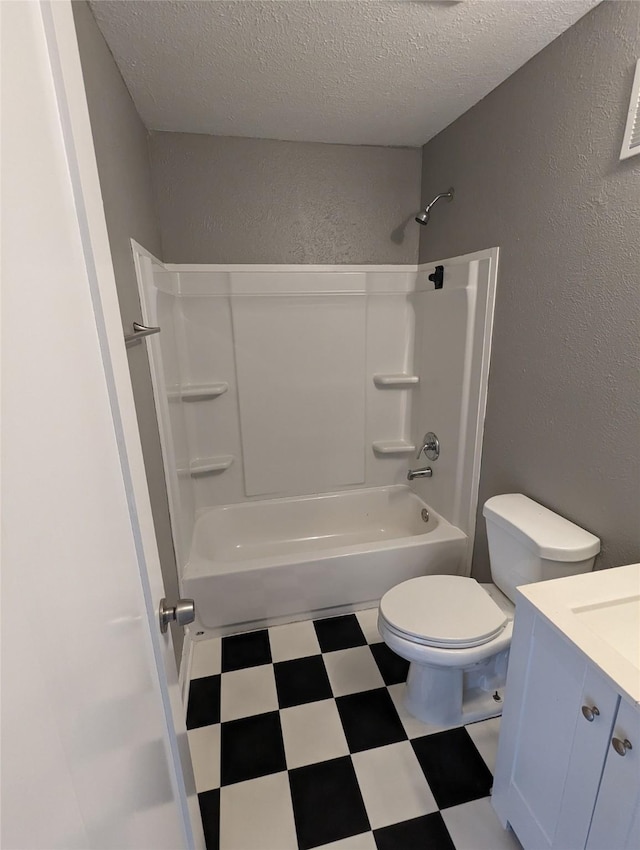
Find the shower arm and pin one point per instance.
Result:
(448, 194)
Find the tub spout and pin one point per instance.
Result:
(423, 472)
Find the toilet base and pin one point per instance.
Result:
(444, 696)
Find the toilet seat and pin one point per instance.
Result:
(450, 612)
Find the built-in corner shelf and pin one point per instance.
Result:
(209, 465)
(397, 381)
(198, 392)
(393, 447)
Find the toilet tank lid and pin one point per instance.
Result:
(553, 537)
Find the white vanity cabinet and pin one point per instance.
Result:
(559, 781)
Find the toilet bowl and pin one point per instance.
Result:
(456, 635)
(456, 632)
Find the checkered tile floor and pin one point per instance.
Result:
(299, 739)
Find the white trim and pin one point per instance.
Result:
(493, 256)
(137, 248)
(284, 267)
(301, 267)
(486, 253)
(186, 663)
(633, 118)
(141, 259)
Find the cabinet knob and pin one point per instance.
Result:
(621, 747)
(590, 712)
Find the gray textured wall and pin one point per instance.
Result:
(120, 141)
(536, 171)
(236, 200)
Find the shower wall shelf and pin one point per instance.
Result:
(393, 447)
(198, 392)
(400, 380)
(209, 465)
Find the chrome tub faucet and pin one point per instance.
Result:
(424, 472)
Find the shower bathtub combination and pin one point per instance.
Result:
(274, 560)
(291, 403)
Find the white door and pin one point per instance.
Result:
(94, 749)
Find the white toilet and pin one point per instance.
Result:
(456, 632)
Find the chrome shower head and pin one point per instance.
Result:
(423, 217)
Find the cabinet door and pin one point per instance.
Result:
(559, 755)
(616, 818)
(599, 702)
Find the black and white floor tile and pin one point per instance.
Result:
(300, 740)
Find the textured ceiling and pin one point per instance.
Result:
(351, 71)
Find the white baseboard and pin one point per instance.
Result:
(184, 674)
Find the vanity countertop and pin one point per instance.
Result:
(599, 612)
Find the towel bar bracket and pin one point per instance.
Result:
(139, 333)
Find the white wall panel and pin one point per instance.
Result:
(167, 317)
(441, 322)
(207, 353)
(390, 332)
(452, 351)
(214, 424)
(301, 381)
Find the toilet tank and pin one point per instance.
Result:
(529, 543)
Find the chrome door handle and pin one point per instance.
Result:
(182, 613)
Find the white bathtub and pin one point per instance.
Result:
(279, 560)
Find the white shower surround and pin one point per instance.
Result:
(225, 435)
